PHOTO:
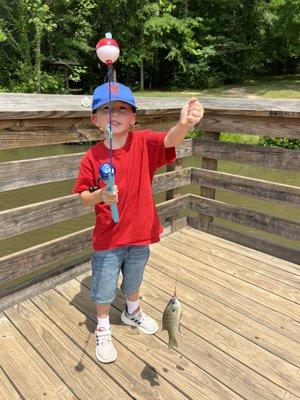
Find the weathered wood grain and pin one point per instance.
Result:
(241, 268)
(62, 355)
(274, 126)
(49, 279)
(189, 378)
(251, 241)
(249, 154)
(244, 216)
(25, 261)
(13, 295)
(165, 261)
(245, 185)
(250, 354)
(254, 242)
(27, 369)
(268, 292)
(129, 372)
(213, 359)
(24, 219)
(24, 173)
(224, 315)
(210, 164)
(7, 390)
(19, 105)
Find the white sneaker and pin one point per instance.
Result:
(105, 350)
(140, 320)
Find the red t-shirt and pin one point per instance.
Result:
(135, 164)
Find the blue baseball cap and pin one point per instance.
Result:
(119, 92)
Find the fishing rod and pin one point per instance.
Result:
(108, 51)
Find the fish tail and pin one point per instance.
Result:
(172, 342)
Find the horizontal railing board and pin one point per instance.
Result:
(254, 125)
(20, 105)
(35, 216)
(51, 278)
(26, 261)
(244, 216)
(254, 242)
(42, 132)
(39, 132)
(274, 157)
(244, 185)
(23, 262)
(37, 171)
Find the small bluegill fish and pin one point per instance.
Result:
(171, 320)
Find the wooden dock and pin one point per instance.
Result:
(239, 337)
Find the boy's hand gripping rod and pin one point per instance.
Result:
(108, 52)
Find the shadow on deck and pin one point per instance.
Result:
(239, 336)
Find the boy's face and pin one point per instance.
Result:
(122, 118)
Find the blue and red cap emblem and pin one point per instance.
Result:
(118, 91)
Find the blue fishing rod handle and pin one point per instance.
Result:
(107, 174)
(113, 207)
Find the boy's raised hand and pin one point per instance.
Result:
(191, 113)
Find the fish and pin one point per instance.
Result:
(171, 320)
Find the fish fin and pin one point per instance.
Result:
(179, 328)
(172, 342)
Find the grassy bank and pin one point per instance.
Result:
(281, 87)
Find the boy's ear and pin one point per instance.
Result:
(133, 118)
(94, 118)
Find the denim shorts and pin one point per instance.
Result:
(106, 267)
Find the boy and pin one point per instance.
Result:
(124, 246)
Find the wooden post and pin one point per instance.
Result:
(208, 163)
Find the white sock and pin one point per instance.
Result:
(132, 306)
(103, 324)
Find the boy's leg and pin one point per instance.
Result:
(133, 270)
(103, 317)
(105, 271)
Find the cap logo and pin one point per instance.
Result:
(114, 88)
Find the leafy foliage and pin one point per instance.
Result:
(183, 43)
(280, 142)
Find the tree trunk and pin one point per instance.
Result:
(38, 60)
(142, 76)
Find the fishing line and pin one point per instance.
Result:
(177, 268)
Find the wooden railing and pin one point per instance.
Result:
(32, 120)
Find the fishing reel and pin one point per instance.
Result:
(107, 174)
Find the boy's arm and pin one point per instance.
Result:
(191, 114)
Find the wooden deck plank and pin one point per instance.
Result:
(271, 266)
(261, 335)
(248, 307)
(174, 367)
(62, 354)
(274, 294)
(212, 267)
(31, 375)
(238, 249)
(244, 271)
(289, 277)
(7, 390)
(272, 279)
(215, 361)
(132, 374)
(290, 396)
(258, 359)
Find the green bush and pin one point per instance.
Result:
(279, 142)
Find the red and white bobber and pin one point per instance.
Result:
(107, 49)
